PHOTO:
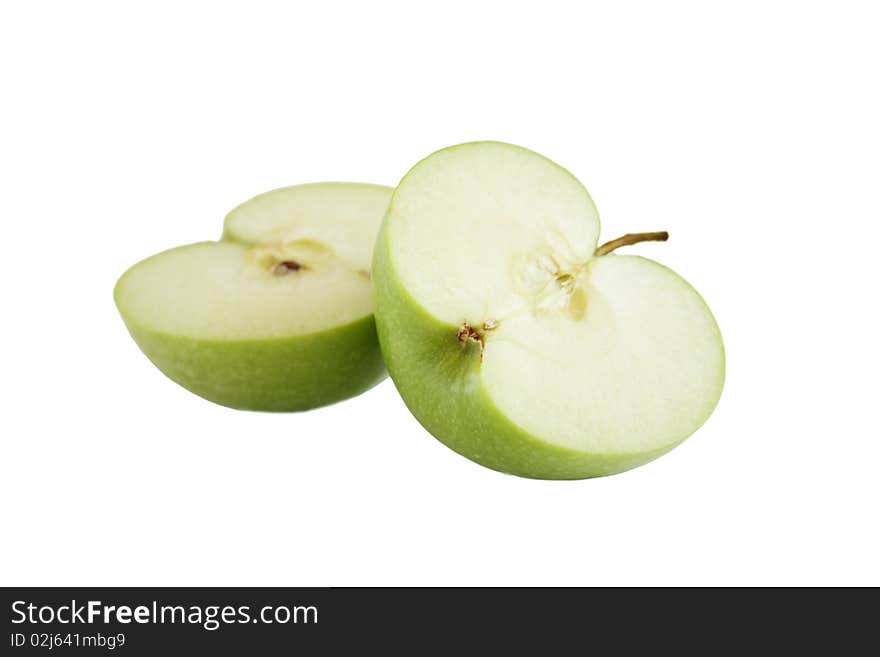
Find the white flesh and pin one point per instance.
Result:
(476, 221)
(233, 291)
(344, 217)
(606, 355)
(640, 371)
(227, 291)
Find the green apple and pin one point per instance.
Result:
(280, 320)
(520, 344)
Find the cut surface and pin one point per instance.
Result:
(342, 217)
(609, 355)
(476, 228)
(296, 261)
(229, 291)
(641, 370)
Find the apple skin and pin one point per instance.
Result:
(286, 374)
(441, 386)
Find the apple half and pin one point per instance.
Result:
(276, 317)
(516, 341)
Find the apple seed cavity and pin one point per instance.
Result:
(286, 266)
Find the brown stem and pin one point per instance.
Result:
(631, 238)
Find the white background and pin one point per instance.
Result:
(748, 130)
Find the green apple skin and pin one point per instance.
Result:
(284, 374)
(470, 423)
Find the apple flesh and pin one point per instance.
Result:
(516, 342)
(281, 322)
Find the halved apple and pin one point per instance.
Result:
(279, 321)
(518, 343)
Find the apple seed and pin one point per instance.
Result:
(286, 266)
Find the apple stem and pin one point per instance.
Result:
(631, 238)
